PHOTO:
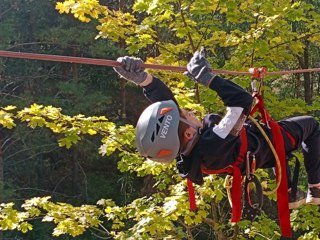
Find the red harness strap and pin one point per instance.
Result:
(291, 138)
(282, 191)
(278, 142)
(234, 169)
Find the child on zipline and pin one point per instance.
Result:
(165, 131)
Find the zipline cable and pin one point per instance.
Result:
(113, 63)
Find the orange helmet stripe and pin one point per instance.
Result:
(165, 110)
(164, 152)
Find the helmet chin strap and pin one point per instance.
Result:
(186, 151)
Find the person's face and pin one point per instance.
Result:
(191, 117)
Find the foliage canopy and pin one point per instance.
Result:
(236, 35)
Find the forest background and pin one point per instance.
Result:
(68, 164)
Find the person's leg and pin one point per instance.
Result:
(306, 131)
(311, 150)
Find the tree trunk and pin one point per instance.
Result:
(123, 99)
(75, 172)
(121, 4)
(297, 84)
(39, 170)
(75, 71)
(317, 112)
(304, 64)
(1, 174)
(219, 234)
(215, 215)
(75, 153)
(123, 81)
(307, 88)
(1, 168)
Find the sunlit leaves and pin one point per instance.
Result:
(68, 219)
(7, 117)
(307, 219)
(116, 25)
(71, 128)
(237, 35)
(91, 9)
(261, 228)
(10, 218)
(247, 26)
(170, 200)
(113, 24)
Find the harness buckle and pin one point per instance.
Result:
(252, 209)
(248, 170)
(258, 73)
(250, 165)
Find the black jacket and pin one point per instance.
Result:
(213, 151)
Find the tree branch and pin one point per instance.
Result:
(6, 11)
(294, 39)
(37, 43)
(207, 28)
(192, 46)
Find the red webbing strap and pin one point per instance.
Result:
(282, 191)
(236, 191)
(291, 138)
(191, 192)
(259, 105)
(192, 196)
(236, 194)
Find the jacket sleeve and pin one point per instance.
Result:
(238, 102)
(158, 91)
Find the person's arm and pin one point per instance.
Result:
(236, 99)
(232, 94)
(238, 102)
(157, 90)
(153, 88)
(148, 81)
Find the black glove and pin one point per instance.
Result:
(199, 68)
(132, 69)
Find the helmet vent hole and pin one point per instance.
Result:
(161, 119)
(158, 128)
(152, 137)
